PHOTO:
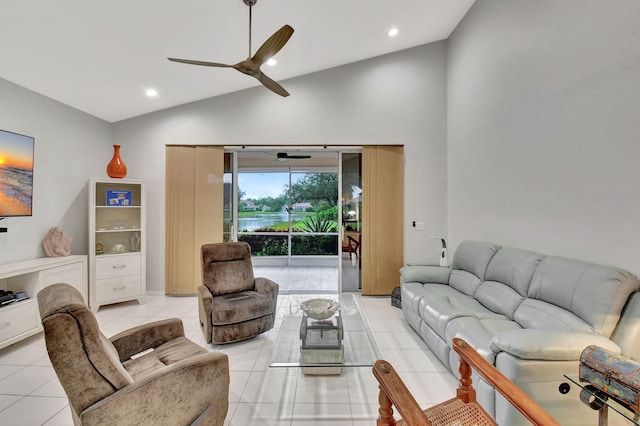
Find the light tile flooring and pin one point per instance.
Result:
(30, 393)
(309, 279)
(301, 279)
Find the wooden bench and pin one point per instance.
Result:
(461, 410)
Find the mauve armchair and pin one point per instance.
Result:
(176, 382)
(233, 304)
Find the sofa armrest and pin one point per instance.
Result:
(267, 287)
(205, 312)
(146, 336)
(548, 344)
(425, 274)
(206, 299)
(176, 394)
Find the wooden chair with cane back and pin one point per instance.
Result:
(460, 410)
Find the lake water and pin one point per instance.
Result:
(264, 220)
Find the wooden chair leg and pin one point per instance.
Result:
(385, 412)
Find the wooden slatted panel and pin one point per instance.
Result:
(194, 206)
(383, 214)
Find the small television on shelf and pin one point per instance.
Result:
(16, 174)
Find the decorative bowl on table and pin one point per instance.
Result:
(319, 309)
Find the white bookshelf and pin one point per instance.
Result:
(117, 235)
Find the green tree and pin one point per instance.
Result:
(317, 188)
(273, 204)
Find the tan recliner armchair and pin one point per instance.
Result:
(233, 305)
(175, 383)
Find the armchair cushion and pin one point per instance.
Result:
(226, 268)
(150, 335)
(173, 395)
(171, 352)
(241, 306)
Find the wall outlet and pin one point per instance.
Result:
(419, 226)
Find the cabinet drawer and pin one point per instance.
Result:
(18, 318)
(72, 274)
(116, 289)
(117, 266)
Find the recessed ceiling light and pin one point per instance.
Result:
(393, 32)
(151, 93)
(271, 62)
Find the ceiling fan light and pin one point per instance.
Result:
(271, 62)
(393, 32)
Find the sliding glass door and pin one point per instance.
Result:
(289, 215)
(301, 211)
(351, 220)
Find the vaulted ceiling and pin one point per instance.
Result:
(101, 57)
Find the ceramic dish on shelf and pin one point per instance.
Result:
(118, 248)
(118, 224)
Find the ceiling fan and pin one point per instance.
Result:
(251, 65)
(282, 156)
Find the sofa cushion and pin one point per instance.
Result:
(548, 345)
(499, 297)
(465, 282)
(479, 332)
(594, 293)
(537, 314)
(507, 280)
(411, 293)
(425, 274)
(514, 267)
(474, 257)
(445, 304)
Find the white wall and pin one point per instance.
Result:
(399, 98)
(70, 146)
(544, 128)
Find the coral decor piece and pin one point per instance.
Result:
(56, 244)
(116, 167)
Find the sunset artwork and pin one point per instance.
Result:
(16, 174)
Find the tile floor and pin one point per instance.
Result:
(30, 393)
(301, 279)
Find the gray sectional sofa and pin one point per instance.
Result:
(529, 314)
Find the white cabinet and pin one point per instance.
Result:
(117, 234)
(20, 320)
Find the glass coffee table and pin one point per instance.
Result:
(324, 346)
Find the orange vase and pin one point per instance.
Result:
(116, 167)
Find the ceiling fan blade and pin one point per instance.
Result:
(284, 156)
(271, 85)
(206, 64)
(273, 45)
